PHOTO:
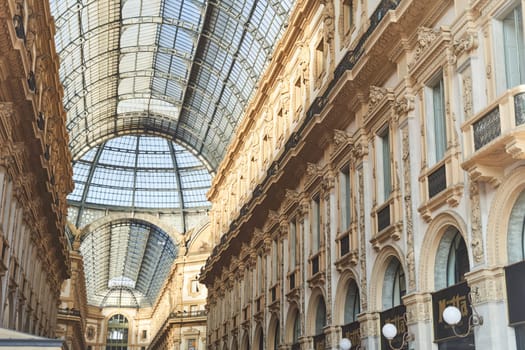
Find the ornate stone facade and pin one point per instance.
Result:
(361, 186)
(35, 171)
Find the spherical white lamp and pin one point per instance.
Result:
(389, 331)
(345, 344)
(452, 315)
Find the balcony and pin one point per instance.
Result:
(495, 137)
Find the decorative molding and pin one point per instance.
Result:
(425, 37)
(362, 236)
(410, 256)
(404, 104)
(477, 236)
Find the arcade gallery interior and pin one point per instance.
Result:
(262, 174)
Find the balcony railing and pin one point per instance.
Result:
(186, 314)
(494, 134)
(437, 181)
(383, 218)
(315, 264)
(344, 245)
(69, 312)
(291, 280)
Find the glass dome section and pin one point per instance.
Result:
(126, 263)
(184, 69)
(140, 171)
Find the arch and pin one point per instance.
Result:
(117, 331)
(258, 339)
(516, 231)
(347, 278)
(394, 284)
(313, 318)
(273, 333)
(245, 345)
(498, 220)
(431, 246)
(234, 343)
(293, 326)
(178, 238)
(378, 274)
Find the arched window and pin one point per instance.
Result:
(117, 338)
(516, 231)
(457, 263)
(276, 336)
(320, 317)
(394, 285)
(261, 343)
(296, 329)
(352, 303)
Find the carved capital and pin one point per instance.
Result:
(404, 104)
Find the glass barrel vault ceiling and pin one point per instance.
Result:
(126, 263)
(182, 68)
(136, 171)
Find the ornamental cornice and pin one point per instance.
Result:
(430, 50)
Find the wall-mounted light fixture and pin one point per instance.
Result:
(389, 331)
(452, 316)
(346, 344)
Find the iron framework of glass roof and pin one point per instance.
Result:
(126, 263)
(139, 171)
(185, 69)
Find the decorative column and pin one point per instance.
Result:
(370, 337)
(487, 286)
(419, 319)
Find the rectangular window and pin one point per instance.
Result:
(513, 47)
(386, 180)
(194, 286)
(344, 198)
(259, 274)
(192, 344)
(275, 262)
(293, 245)
(348, 15)
(437, 132)
(316, 225)
(319, 59)
(144, 334)
(297, 94)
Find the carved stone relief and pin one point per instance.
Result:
(477, 237)
(362, 253)
(410, 257)
(425, 37)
